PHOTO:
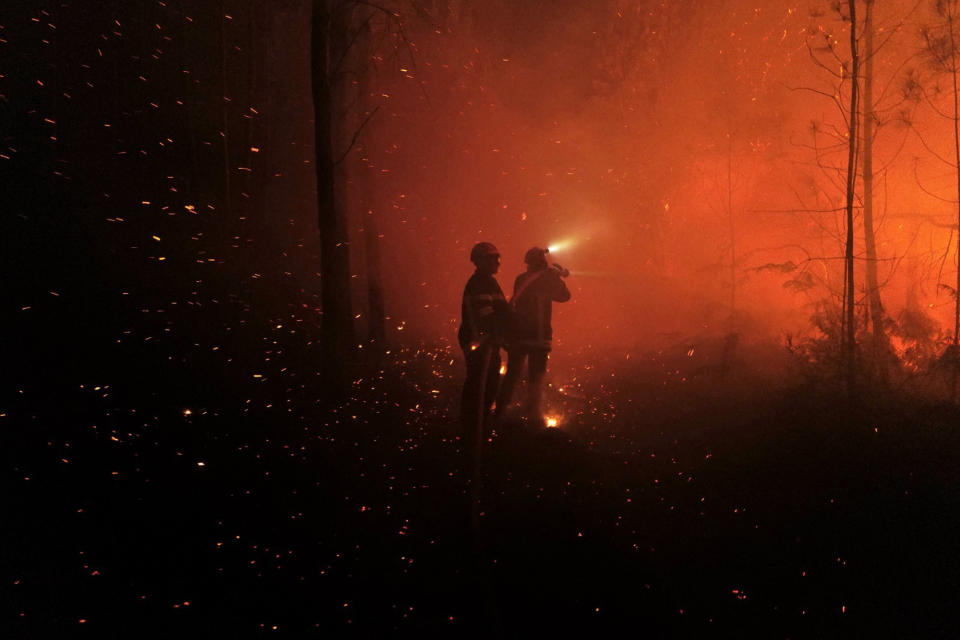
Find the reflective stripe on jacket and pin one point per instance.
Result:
(482, 310)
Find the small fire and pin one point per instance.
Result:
(552, 422)
(503, 369)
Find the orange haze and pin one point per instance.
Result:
(691, 155)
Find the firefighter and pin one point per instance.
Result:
(485, 315)
(534, 293)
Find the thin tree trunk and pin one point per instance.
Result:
(956, 157)
(875, 305)
(956, 151)
(190, 96)
(377, 309)
(225, 133)
(850, 332)
(252, 60)
(733, 236)
(252, 225)
(337, 338)
(376, 312)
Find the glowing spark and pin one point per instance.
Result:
(552, 422)
(503, 369)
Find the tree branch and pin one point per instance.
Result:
(356, 134)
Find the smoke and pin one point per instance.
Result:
(664, 152)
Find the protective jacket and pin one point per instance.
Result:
(534, 293)
(484, 310)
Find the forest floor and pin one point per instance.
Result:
(673, 501)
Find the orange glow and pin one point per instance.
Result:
(552, 422)
(683, 188)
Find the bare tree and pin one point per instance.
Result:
(847, 75)
(224, 104)
(345, 41)
(337, 338)
(875, 304)
(941, 42)
(376, 311)
(849, 333)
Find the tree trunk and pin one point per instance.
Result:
(376, 313)
(956, 151)
(955, 350)
(881, 346)
(224, 89)
(377, 310)
(733, 234)
(849, 338)
(337, 337)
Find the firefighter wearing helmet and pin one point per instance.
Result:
(534, 293)
(485, 316)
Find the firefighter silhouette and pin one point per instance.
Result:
(531, 333)
(485, 317)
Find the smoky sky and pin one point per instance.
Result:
(688, 154)
(687, 157)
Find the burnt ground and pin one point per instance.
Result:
(665, 506)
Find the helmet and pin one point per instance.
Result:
(481, 250)
(536, 256)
